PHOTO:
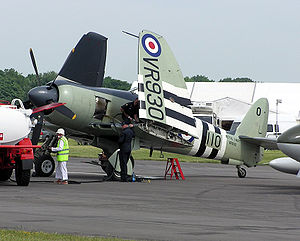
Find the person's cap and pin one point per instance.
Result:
(60, 131)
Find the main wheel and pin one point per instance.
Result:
(242, 172)
(5, 174)
(22, 176)
(112, 174)
(44, 166)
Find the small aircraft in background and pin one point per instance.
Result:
(167, 123)
(289, 143)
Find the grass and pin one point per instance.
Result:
(14, 235)
(143, 154)
(83, 150)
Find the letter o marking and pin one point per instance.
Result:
(258, 111)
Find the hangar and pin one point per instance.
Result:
(225, 103)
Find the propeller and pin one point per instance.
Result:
(34, 64)
(66, 111)
(37, 129)
(42, 96)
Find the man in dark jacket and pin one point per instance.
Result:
(125, 148)
(130, 111)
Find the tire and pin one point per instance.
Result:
(5, 174)
(112, 174)
(110, 171)
(22, 176)
(44, 166)
(242, 172)
(132, 161)
(107, 167)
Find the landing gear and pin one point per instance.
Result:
(22, 176)
(111, 172)
(241, 172)
(44, 166)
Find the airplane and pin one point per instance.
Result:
(166, 120)
(289, 143)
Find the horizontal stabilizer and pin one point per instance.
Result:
(267, 143)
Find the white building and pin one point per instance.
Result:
(227, 102)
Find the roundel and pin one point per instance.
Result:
(151, 45)
(187, 137)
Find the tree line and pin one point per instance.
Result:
(15, 85)
(202, 78)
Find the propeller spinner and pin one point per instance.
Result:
(44, 95)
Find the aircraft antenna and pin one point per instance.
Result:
(192, 90)
(131, 34)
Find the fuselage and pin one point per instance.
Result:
(93, 106)
(98, 118)
(97, 108)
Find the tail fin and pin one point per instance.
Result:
(250, 131)
(255, 121)
(162, 90)
(85, 64)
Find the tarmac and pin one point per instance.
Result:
(211, 204)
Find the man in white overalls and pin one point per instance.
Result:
(62, 151)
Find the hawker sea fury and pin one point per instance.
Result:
(166, 120)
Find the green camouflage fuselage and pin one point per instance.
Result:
(100, 122)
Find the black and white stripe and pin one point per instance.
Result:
(175, 115)
(170, 96)
(214, 151)
(200, 147)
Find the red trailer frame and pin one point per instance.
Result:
(19, 157)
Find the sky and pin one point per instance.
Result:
(258, 39)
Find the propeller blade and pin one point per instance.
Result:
(34, 64)
(66, 111)
(37, 130)
(47, 107)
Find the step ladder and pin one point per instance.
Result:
(173, 169)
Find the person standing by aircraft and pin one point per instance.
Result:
(130, 110)
(125, 147)
(62, 151)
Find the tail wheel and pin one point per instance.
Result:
(44, 166)
(242, 172)
(22, 176)
(5, 174)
